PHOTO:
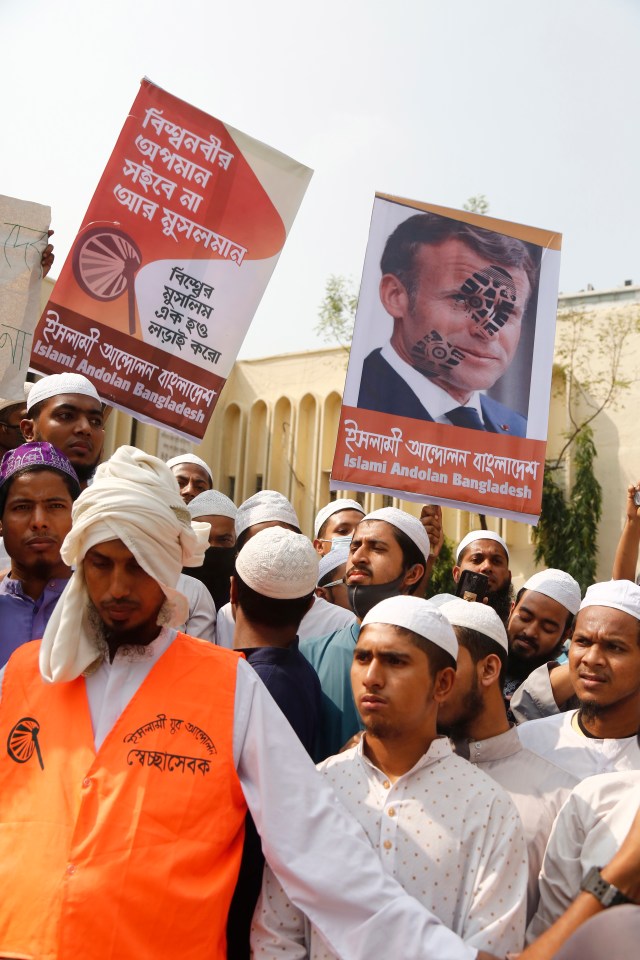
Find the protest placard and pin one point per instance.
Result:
(447, 391)
(23, 237)
(172, 258)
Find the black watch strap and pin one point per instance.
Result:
(606, 893)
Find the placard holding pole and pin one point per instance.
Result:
(170, 263)
(448, 386)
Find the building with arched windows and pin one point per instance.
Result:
(276, 422)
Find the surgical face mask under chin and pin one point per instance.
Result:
(363, 597)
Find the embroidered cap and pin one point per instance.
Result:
(332, 560)
(336, 506)
(619, 594)
(474, 535)
(417, 615)
(279, 563)
(264, 507)
(476, 616)
(59, 383)
(212, 503)
(558, 585)
(31, 456)
(405, 522)
(190, 458)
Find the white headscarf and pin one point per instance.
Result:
(134, 498)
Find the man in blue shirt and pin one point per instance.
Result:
(37, 488)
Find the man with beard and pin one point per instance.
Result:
(483, 551)
(37, 488)
(604, 665)
(219, 512)
(475, 718)
(539, 625)
(387, 557)
(132, 753)
(448, 834)
(269, 508)
(64, 409)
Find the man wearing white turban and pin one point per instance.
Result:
(133, 751)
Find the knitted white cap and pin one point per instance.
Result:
(441, 598)
(558, 585)
(476, 616)
(212, 503)
(417, 615)
(334, 507)
(474, 535)
(334, 559)
(279, 563)
(18, 401)
(263, 507)
(58, 383)
(190, 458)
(405, 522)
(619, 594)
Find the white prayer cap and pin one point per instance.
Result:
(405, 522)
(334, 507)
(619, 594)
(6, 402)
(476, 616)
(279, 563)
(59, 383)
(441, 598)
(212, 503)
(190, 458)
(266, 506)
(334, 559)
(417, 615)
(474, 535)
(133, 498)
(558, 585)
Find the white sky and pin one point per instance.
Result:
(533, 104)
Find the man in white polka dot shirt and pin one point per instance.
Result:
(447, 832)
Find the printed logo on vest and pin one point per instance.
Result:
(22, 741)
(164, 761)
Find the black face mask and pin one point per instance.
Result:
(363, 597)
(217, 569)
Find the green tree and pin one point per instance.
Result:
(567, 533)
(441, 580)
(477, 204)
(338, 311)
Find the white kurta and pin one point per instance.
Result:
(319, 853)
(201, 622)
(588, 832)
(537, 787)
(322, 618)
(444, 830)
(555, 739)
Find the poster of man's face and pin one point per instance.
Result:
(446, 324)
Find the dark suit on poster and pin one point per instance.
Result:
(384, 390)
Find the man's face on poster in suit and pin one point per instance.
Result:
(460, 324)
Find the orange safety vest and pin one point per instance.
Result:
(133, 851)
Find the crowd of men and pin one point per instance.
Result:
(226, 739)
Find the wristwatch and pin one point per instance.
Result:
(606, 893)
